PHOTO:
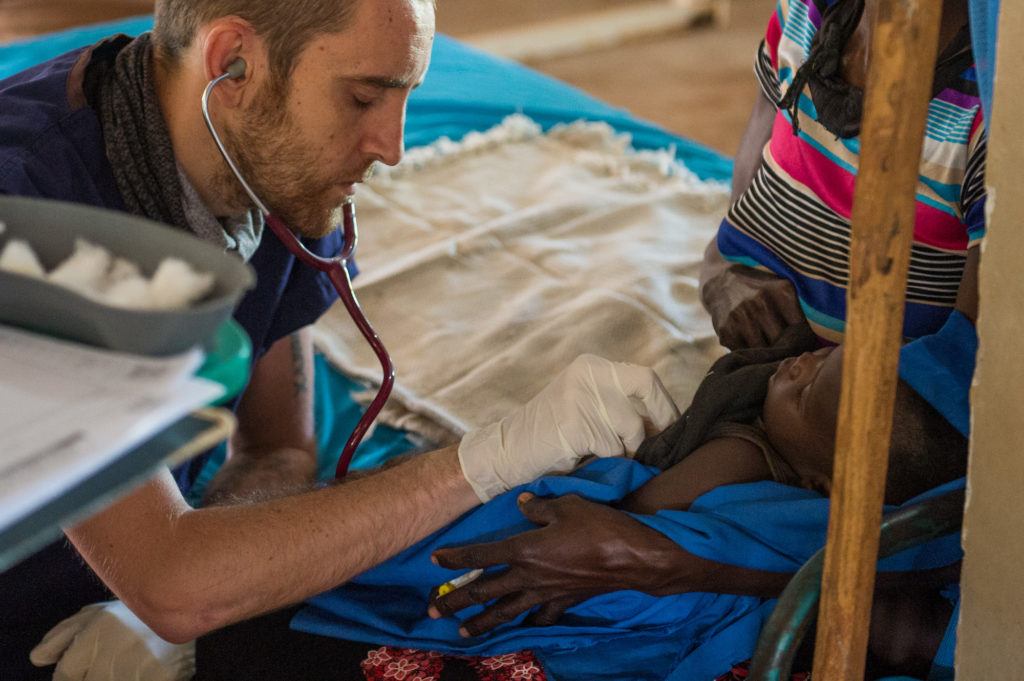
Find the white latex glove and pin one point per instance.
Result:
(106, 641)
(593, 407)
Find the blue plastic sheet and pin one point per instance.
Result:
(940, 368)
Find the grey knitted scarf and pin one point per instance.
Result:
(138, 146)
(136, 136)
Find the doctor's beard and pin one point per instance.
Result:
(283, 169)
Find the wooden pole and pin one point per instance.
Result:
(900, 74)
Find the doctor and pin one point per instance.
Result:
(118, 125)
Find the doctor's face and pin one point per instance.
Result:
(307, 142)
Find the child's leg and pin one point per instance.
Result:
(907, 628)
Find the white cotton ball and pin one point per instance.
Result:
(19, 258)
(130, 292)
(175, 285)
(122, 269)
(85, 271)
(93, 272)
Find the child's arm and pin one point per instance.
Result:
(723, 461)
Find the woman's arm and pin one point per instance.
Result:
(583, 549)
(967, 296)
(748, 307)
(756, 135)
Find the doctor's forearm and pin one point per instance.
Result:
(274, 451)
(216, 566)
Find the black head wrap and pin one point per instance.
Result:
(840, 105)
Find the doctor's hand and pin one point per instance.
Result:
(593, 407)
(107, 641)
(582, 549)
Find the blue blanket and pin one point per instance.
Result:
(625, 634)
(984, 31)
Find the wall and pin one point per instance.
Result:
(991, 643)
(20, 18)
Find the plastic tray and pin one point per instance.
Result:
(228, 360)
(51, 228)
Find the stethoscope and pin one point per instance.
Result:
(335, 268)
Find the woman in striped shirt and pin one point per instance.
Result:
(781, 255)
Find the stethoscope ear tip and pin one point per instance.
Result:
(236, 69)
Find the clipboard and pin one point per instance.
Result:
(185, 439)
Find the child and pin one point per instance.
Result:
(792, 441)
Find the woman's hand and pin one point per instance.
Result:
(582, 549)
(749, 308)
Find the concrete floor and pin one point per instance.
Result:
(697, 83)
(22, 18)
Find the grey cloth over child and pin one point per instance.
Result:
(728, 403)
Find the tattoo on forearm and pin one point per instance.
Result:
(299, 376)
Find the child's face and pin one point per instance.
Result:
(800, 412)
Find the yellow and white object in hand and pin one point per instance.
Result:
(458, 582)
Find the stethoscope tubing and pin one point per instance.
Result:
(336, 270)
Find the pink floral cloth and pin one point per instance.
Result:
(406, 664)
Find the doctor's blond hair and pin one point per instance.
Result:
(286, 26)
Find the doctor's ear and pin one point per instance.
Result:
(230, 47)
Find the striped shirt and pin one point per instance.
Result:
(794, 219)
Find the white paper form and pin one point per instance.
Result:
(67, 410)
